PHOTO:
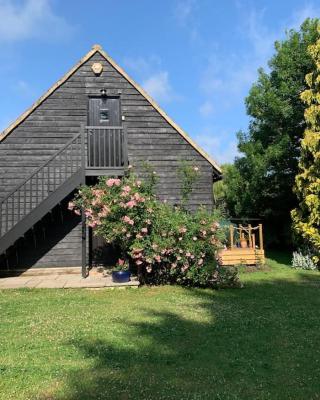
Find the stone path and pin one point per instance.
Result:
(65, 281)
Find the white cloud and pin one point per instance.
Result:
(206, 109)
(307, 11)
(30, 19)
(143, 65)
(185, 14)
(227, 78)
(216, 144)
(158, 86)
(184, 11)
(154, 77)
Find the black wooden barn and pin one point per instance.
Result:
(94, 121)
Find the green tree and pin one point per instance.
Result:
(260, 183)
(306, 218)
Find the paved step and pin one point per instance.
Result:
(42, 272)
(66, 281)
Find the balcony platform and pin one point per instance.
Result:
(91, 171)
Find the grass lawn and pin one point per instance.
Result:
(259, 342)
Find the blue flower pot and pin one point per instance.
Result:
(121, 276)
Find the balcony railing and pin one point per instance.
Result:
(106, 148)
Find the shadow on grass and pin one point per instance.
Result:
(260, 342)
(280, 257)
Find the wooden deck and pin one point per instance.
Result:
(247, 256)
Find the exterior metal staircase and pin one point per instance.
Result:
(42, 190)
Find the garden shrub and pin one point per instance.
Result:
(303, 260)
(166, 244)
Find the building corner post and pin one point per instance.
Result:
(83, 216)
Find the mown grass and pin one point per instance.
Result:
(259, 342)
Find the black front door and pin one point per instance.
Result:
(104, 111)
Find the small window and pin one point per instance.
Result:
(104, 114)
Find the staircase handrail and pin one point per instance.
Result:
(19, 186)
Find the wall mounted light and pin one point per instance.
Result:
(103, 92)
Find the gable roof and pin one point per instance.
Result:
(98, 49)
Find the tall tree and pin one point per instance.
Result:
(306, 218)
(260, 183)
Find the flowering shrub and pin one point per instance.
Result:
(303, 261)
(166, 244)
(121, 265)
(188, 175)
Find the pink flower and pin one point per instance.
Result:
(178, 258)
(154, 246)
(138, 183)
(149, 268)
(130, 166)
(88, 212)
(138, 262)
(104, 212)
(144, 230)
(121, 261)
(173, 265)
(77, 212)
(157, 258)
(131, 204)
(71, 205)
(200, 262)
(97, 192)
(110, 182)
(148, 221)
(128, 235)
(188, 254)
(194, 238)
(126, 189)
(196, 169)
(128, 220)
(182, 230)
(214, 226)
(138, 236)
(138, 198)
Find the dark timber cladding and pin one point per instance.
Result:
(57, 119)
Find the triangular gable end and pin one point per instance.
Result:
(95, 49)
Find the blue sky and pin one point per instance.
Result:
(197, 58)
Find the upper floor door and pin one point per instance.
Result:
(105, 135)
(104, 111)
